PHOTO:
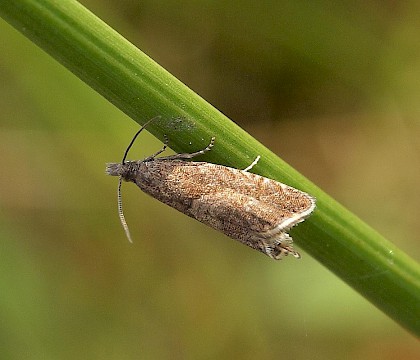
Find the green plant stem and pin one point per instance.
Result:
(142, 89)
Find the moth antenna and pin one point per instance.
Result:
(135, 137)
(120, 209)
(121, 213)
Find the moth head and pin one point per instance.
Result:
(126, 171)
(114, 169)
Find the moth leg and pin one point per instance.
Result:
(165, 145)
(278, 243)
(279, 246)
(252, 164)
(191, 155)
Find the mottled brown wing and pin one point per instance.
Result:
(196, 179)
(243, 218)
(252, 209)
(236, 213)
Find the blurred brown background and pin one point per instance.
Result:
(333, 87)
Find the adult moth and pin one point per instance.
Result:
(250, 208)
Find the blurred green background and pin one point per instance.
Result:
(332, 87)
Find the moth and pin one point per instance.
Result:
(250, 208)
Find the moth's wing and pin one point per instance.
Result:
(242, 217)
(195, 179)
(297, 204)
